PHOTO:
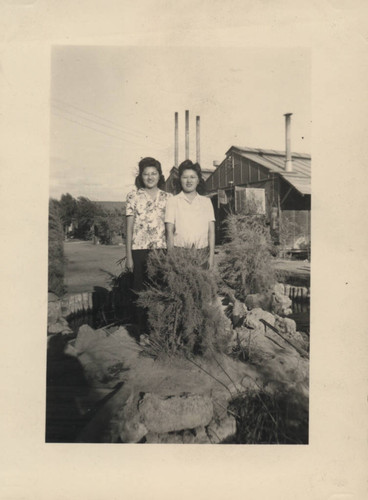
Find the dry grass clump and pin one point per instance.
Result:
(265, 418)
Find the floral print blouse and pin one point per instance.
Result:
(148, 219)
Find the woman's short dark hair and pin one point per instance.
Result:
(189, 165)
(149, 162)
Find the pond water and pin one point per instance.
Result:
(301, 316)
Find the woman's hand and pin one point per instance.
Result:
(129, 263)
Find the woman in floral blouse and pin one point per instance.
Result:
(145, 211)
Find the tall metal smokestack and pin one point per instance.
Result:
(198, 147)
(186, 134)
(176, 159)
(288, 159)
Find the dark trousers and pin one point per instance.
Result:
(140, 258)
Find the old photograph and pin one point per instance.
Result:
(179, 245)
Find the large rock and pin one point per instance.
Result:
(179, 400)
(274, 301)
(201, 436)
(61, 326)
(253, 317)
(239, 312)
(277, 359)
(285, 325)
(131, 429)
(53, 309)
(160, 414)
(259, 300)
(281, 304)
(279, 289)
(105, 357)
(219, 431)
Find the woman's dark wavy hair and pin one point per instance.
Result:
(149, 162)
(189, 165)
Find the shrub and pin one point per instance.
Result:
(181, 302)
(265, 418)
(56, 250)
(245, 261)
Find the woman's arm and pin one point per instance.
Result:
(129, 237)
(211, 243)
(169, 235)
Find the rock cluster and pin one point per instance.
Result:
(185, 400)
(160, 401)
(56, 322)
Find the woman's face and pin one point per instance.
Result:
(150, 177)
(189, 181)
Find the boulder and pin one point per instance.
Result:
(201, 436)
(281, 304)
(253, 317)
(221, 430)
(239, 312)
(285, 325)
(61, 326)
(279, 289)
(188, 437)
(278, 360)
(274, 301)
(132, 430)
(53, 309)
(130, 427)
(259, 300)
(174, 413)
(105, 357)
(170, 438)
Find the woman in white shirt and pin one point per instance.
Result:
(189, 218)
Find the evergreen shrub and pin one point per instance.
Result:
(245, 260)
(182, 304)
(56, 250)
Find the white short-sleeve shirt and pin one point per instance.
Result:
(190, 219)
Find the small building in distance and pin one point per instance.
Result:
(171, 184)
(260, 176)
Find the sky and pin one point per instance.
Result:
(112, 106)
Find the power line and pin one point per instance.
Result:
(59, 108)
(103, 132)
(114, 124)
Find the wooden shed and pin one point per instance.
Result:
(284, 195)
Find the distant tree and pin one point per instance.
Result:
(56, 250)
(68, 209)
(109, 224)
(86, 215)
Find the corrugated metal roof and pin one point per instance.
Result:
(302, 184)
(273, 160)
(206, 172)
